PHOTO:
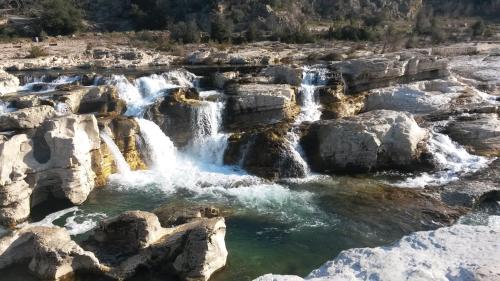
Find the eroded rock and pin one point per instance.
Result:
(8, 83)
(251, 105)
(480, 133)
(370, 141)
(27, 118)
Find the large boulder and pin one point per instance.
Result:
(480, 133)
(390, 69)
(49, 252)
(175, 114)
(52, 162)
(267, 153)
(370, 141)
(422, 97)
(192, 251)
(252, 105)
(8, 83)
(27, 118)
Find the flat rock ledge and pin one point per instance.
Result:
(119, 248)
(459, 252)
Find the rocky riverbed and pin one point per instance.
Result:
(226, 165)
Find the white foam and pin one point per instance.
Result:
(460, 252)
(452, 160)
(50, 86)
(312, 78)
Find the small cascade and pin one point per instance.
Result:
(145, 90)
(161, 150)
(209, 144)
(312, 79)
(6, 107)
(41, 86)
(452, 161)
(121, 163)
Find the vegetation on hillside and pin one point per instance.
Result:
(240, 21)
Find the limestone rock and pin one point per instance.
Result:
(103, 99)
(267, 153)
(50, 251)
(251, 105)
(130, 231)
(27, 118)
(204, 252)
(335, 104)
(8, 83)
(175, 114)
(176, 214)
(281, 74)
(54, 161)
(370, 141)
(390, 69)
(126, 134)
(480, 133)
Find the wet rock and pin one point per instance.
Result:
(390, 69)
(470, 190)
(8, 83)
(174, 114)
(49, 251)
(126, 134)
(27, 118)
(265, 153)
(177, 214)
(338, 105)
(252, 105)
(480, 133)
(102, 100)
(370, 141)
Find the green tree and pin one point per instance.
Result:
(222, 29)
(60, 17)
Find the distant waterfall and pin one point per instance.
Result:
(209, 143)
(121, 163)
(452, 161)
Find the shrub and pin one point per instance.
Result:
(186, 33)
(60, 17)
(478, 28)
(36, 52)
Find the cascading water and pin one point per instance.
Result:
(312, 78)
(145, 90)
(40, 86)
(161, 150)
(452, 161)
(209, 143)
(121, 164)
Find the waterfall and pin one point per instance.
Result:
(44, 87)
(145, 90)
(312, 79)
(160, 149)
(208, 144)
(452, 161)
(121, 163)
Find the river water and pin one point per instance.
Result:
(286, 227)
